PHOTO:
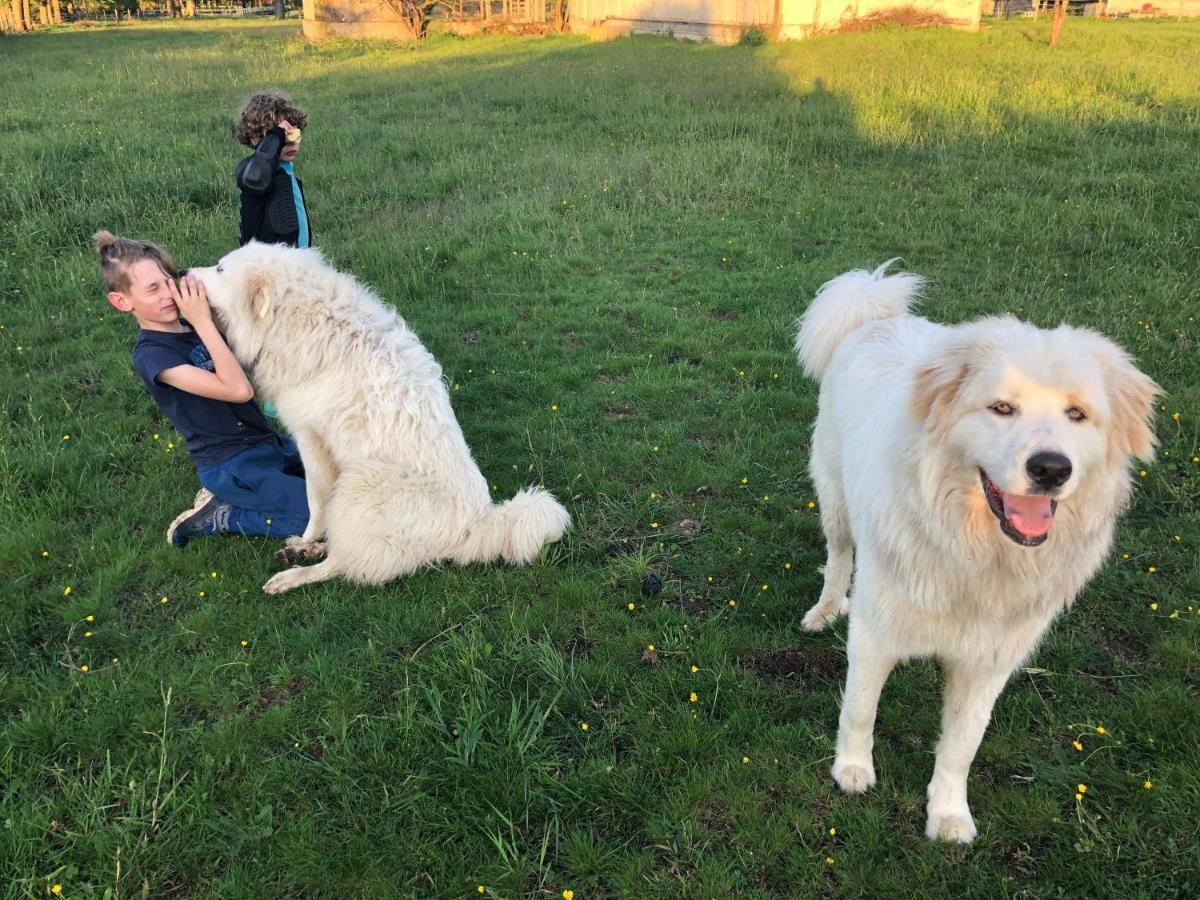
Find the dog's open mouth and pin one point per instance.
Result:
(1026, 518)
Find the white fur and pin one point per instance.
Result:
(392, 485)
(903, 428)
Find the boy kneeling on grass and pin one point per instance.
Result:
(253, 482)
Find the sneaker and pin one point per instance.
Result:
(211, 518)
(202, 496)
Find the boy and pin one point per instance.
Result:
(252, 480)
(272, 197)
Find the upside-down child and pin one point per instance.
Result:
(252, 480)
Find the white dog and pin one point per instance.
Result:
(392, 486)
(969, 477)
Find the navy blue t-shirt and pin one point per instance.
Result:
(213, 429)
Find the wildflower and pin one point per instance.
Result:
(164, 600)
(1153, 606)
(833, 832)
(733, 603)
(631, 607)
(66, 437)
(456, 386)
(1147, 784)
(787, 566)
(553, 407)
(87, 634)
(568, 895)
(1178, 538)
(89, 618)
(481, 888)
(1099, 729)
(45, 553)
(812, 505)
(741, 372)
(774, 376)
(654, 449)
(765, 498)
(245, 643)
(829, 860)
(155, 437)
(1175, 416)
(1078, 797)
(695, 669)
(1152, 569)
(83, 668)
(1082, 789)
(764, 587)
(212, 574)
(268, 521)
(170, 446)
(650, 647)
(653, 495)
(1124, 556)
(710, 579)
(1174, 615)
(745, 480)
(1143, 473)
(66, 590)
(745, 759)
(1077, 745)
(56, 889)
(692, 697)
(653, 524)
(583, 725)
(202, 593)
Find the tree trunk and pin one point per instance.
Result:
(43, 13)
(1056, 23)
(279, 10)
(55, 12)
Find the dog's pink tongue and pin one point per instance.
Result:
(1030, 515)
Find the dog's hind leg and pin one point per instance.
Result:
(300, 575)
(839, 564)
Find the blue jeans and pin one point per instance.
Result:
(265, 486)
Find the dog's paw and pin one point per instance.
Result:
(283, 581)
(822, 614)
(956, 827)
(297, 551)
(854, 779)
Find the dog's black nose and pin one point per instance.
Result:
(1048, 470)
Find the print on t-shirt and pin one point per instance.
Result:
(201, 359)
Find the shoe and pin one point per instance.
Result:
(211, 518)
(202, 497)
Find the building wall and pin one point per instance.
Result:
(724, 21)
(1161, 7)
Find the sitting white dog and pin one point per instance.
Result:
(392, 486)
(969, 478)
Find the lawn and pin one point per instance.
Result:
(605, 245)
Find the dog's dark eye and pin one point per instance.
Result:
(1076, 414)
(1001, 408)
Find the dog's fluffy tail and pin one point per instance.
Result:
(846, 303)
(516, 529)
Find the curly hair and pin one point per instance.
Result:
(117, 254)
(262, 112)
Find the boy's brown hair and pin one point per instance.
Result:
(262, 112)
(117, 254)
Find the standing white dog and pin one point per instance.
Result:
(392, 486)
(969, 478)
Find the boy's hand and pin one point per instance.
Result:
(189, 296)
(291, 133)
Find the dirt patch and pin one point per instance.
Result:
(277, 695)
(902, 17)
(795, 666)
(624, 547)
(695, 606)
(578, 647)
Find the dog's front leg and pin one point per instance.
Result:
(320, 473)
(870, 663)
(971, 693)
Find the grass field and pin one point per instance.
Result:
(605, 245)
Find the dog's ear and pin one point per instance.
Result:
(262, 299)
(938, 383)
(1131, 396)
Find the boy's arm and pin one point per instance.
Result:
(257, 172)
(228, 382)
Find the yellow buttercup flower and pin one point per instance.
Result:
(745, 759)
(1147, 784)
(1077, 745)
(764, 587)
(89, 618)
(583, 725)
(812, 505)
(631, 607)
(1082, 789)
(1154, 606)
(87, 634)
(568, 895)
(553, 407)
(66, 590)
(653, 524)
(650, 647)
(164, 600)
(692, 697)
(1099, 729)
(245, 643)
(745, 480)
(829, 860)
(695, 669)
(56, 889)
(733, 603)
(83, 668)
(832, 832)
(45, 553)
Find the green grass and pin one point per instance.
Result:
(625, 230)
